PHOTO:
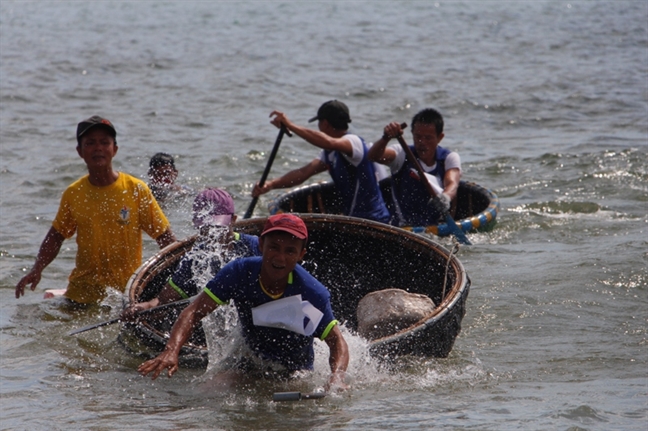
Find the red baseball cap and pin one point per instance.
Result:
(288, 223)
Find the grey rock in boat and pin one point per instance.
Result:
(385, 312)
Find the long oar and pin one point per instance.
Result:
(119, 319)
(266, 171)
(296, 396)
(458, 233)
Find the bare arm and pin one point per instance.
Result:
(48, 251)
(167, 294)
(451, 183)
(182, 329)
(450, 187)
(379, 151)
(338, 358)
(314, 137)
(166, 238)
(292, 178)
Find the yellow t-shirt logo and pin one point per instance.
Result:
(124, 215)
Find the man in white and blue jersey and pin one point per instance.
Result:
(343, 154)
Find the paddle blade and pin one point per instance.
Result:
(452, 226)
(456, 231)
(296, 396)
(286, 396)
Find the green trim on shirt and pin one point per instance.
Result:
(328, 329)
(177, 289)
(214, 297)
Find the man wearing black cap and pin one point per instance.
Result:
(162, 174)
(108, 210)
(343, 154)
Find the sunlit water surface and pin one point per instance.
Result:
(546, 102)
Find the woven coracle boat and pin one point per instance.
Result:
(477, 207)
(351, 257)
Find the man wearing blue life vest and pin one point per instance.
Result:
(343, 154)
(442, 167)
(281, 308)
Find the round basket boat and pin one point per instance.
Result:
(149, 334)
(477, 206)
(351, 257)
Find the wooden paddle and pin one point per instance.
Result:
(119, 319)
(266, 171)
(296, 396)
(454, 229)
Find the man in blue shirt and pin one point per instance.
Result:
(281, 307)
(343, 154)
(215, 246)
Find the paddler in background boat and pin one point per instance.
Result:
(281, 308)
(343, 154)
(162, 175)
(108, 210)
(442, 167)
(216, 245)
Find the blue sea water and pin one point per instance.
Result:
(546, 102)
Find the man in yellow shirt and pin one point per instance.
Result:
(108, 210)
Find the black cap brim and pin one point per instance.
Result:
(313, 119)
(103, 126)
(95, 121)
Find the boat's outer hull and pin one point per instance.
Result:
(352, 257)
(153, 334)
(477, 207)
